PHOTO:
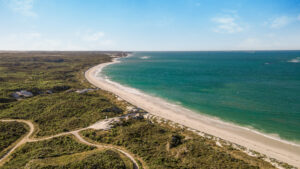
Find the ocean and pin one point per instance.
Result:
(255, 89)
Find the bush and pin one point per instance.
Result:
(6, 100)
(150, 142)
(10, 132)
(60, 112)
(60, 88)
(175, 141)
(45, 149)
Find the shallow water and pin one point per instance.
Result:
(254, 89)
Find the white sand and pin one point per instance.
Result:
(103, 124)
(270, 146)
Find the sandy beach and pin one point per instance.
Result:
(272, 147)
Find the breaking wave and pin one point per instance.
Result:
(296, 60)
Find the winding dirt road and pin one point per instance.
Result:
(75, 133)
(22, 141)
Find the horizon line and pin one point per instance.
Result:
(252, 50)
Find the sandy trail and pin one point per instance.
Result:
(22, 141)
(273, 148)
(75, 133)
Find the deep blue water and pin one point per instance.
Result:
(259, 89)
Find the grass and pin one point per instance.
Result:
(41, 71)
(45, 149)
(159, 146)
(54, 113)
(9, 133)
(164, 147)
(105, 159)
(56, 71)
(61, 112)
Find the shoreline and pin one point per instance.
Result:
(279, 149)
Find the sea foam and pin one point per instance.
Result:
(296, 60)
(145, 57)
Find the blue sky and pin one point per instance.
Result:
(149, 24)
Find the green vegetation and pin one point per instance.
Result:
(107, 159)
(9, 133)
(61, 112)
(164, 147)
(41, 71)
(62, 109)
(56, 71)
(45, 149)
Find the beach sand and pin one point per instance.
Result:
(274, 148)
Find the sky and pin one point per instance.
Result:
(150, 25)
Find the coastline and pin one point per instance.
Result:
(274, 148)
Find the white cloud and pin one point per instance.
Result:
(107, 42)
(23, 7)
(93, 36)
(32, 35)
(227, 24)
(280, 22)
(266, 43)
(29, 41)
(251, 43)
(273, 42)
(95, 39)
(23, 36)
(38, 41)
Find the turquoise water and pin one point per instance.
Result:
(259, 89)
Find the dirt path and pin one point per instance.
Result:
(75, 133)
(22, 141)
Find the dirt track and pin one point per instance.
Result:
(75, 133)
